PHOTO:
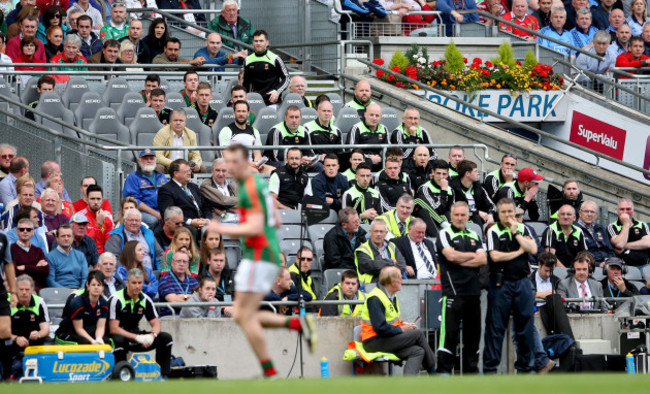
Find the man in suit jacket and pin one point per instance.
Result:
(580, 285)
(180, 192)
(416, 266)
(175, 134)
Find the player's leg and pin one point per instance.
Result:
(246, 315)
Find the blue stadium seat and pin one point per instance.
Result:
(145, 126)
(90, 103)
(116, 89)
(73, 93)
(131, 103)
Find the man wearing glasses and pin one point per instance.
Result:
(505, 174)
(596, 236)
(7, 152)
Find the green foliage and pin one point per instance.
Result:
(531, 59)
(454, 58)
(399, 60)
(506, 55)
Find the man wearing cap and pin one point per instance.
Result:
(81, 241)
(524, 191)
(563, 238)
(143, 185)
(614, 285)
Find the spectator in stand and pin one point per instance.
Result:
(143, 185)
(419, 252)
(231, 24)
(342, 240)
(190, 5)
(157, 36)
(81, 241)
(289, 133)
(190, 84)
(630, 237)
(543, 13)
(12, 16)
(85, 7)
(434, 198)
(614, 284)
(410, 132)
(392, 185)
(419, 167)
(110, 54)
(28, 47)
(6, 7)
(450, 14)
(356, 158)
(55, 182)
(370, 131)
(7, 153)
(556, 30)
(497, 178)
(134, 35)
(39, 238)
(82, 203)
(216, 268)
(365, 200)
(53, 16)
(584, 32)
(134, 230)
(70, 55)
(27, 258)
(283, 289)
(18, 167)
(71, 20)
(213, 54)
(646, 39)
(49, 168)
(219, 192)
(563, 238)
(572, 12)
(107, 266)
(264, 71)
(456, 155)
(375, 254)
(14, 29)
(202, 104)
(242, 132)
(600, 44)
(25, 198)
(177, 134)
(133, 256)
(238, 93)
(467, 187)
(45, 84)
(182, 240)
(497, 8)
(634, 57)
(157, 102)
(616, 20)
(322, 130)
(412, 22)
(571, 195)
(205, 292)
(170, 56)
(100, 221)
(211, 240)
(116, 28)
(51, 208)
(596, 236)
(125, 204)
(621, 44)
(329, 185)
(362, 97)
(151, 82)
(520, 17)
(523, 191)
(298, 85)
(68, 267)
(90, 42)
(300, 272)
(287, 183)
(127, 55)
(602, 12)
(177, 285)
(347, 289)
(581, 285)
(4, 59)
(165, 230)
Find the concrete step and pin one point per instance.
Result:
(595, 346)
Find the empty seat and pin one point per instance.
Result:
(203, 134)
(50, 104)
(331, 219)
(85, 113)
(116, 89)
(256, 102)
(29, 93)
(231, 84)
(130, 105)
(73, 93)
(318, 231)
(107, 124)
(290, 216)
(175, 100)
(5, 90)
(265, 120)
(390, 118)
(233, 256)
(308, 114)
(218, 102)
(292, 231)
(337, 102)
(347, 118)
(164, 85)
(332, 277)
(226, 116)
(646, 273)
(633, 274)
(145, 126)
(55, 296)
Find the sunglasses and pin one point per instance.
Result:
(306, 259)
(25, 229)
(57, 16)
(9, 157)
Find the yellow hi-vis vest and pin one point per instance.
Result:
(306, 286)
(365, 248)
(392, 313)
(346, 309)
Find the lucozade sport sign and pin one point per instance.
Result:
(597, 135)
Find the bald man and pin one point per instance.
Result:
(362, 98)
(370, 131)
(299, 85)
(213, 54)
(622, 42)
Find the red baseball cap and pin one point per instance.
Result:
(528, 174)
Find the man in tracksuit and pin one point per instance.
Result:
(329, 185)
(264, 71)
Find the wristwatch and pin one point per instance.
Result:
(185, 297)
(517, 233)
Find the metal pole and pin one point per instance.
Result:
(306, 35)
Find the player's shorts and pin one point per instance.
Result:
(255, 276)
(5, 306)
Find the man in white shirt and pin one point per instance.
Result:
(580, 285)
(542, 279)
(419, 253)
(106, 264)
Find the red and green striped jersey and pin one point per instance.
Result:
(254, 197)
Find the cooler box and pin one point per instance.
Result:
(70, 363)
(146, 369)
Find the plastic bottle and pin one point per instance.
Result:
(324, 368)
(629, 364)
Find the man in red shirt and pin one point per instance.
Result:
(520, 17)
(100, 222)
(634, 57)
(82, 203)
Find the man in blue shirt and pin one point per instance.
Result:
(143, 185)
(68, 266)
(177, 285)
(213, 54)
(450, 14)
(48, 169)
(556, 30)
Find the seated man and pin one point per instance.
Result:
(100, 222)
(81, 241)
(7, 153)
(410, 132)
(134, 34)
(301, 271)
(151, 82)
(241, 132)
(391, 184)
(50, 206)
(68, 266)
(580, 285)
(322, 130)
(82, 203)
(542, 280)
(543, 13)
(110, 54)
(157, 102)
(362, 98)
(456, 155)
(630, 237)
(583, 31)
(217, 269)
(289, 132)
(206, 112)
(634, 57)
(434, 199)
(377, 253)
(329, 185)
(342, 240)
(370, 131)
(497, 178)
(563, 238)
(614, 285)
(190, 84)
(283, 289)
(106, 265)
(116, 28)
(399, 218)
(419, 253)
(91, 44)
(646, 39)
(467, 188)
(28, 28)
(143, 185)
(571, 195)
(231, 24)
(419, 167)
(519, 16)
(361, 197)
(25, 198)
(450, 14)
(238, 93)
(177, 285)
(124, 323)
(49, 168)
(596, 235)
(383, 330)
(170, 56)
(348, 289)
(287, 183)
(45, 84)
(177, 134)
(298, 85)
(621, 40)
(219, 193)
(600, 43)
(132, 229)
(557, 31)
(602, 12)
(39, 238)
(356, 158)
(165, 230)
(524, 191)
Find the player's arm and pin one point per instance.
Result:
(253, 226)
(459, 258)
(115, 329)
(10, 275)
(78, 325)
(641, 244)
(478, 260)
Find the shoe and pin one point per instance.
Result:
(355, 6)
(546, 368)
(376, 8)
(309, 332)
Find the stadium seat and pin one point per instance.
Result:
(365, 227)
(50, 104)
(478, 229)
(226, 92)
(560, 272)
(598, 274)
(73, 93)
(289, 100)
(347, 118)
(390, 118)
(164, 85)
(90, 103)
(29, 93)
(290, 216)
(633, 274)
(292, 231)
(225, 117)
(256, 102)
(646, 273)
(639, 285)
(107, 124)
(116, 89)
(218, 102)
(175, 100)
(318, 231)
(266, 119)
(337, 102)
(332, 277)
(55, 296)
(318, 247)
(332, 218)
(539, 227)
(233, 256)
(5, 90)
(308, 114)
(131, 103)
(145, 126)
(290, 247)
(203, 135)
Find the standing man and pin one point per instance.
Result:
(143, 185)
(100, 222)
(7, 301)
(370, 131)
(213, 54)
(509, 244)
(177, 134)
(434, 199)
(68, 266)
(287, 183)
(362, 98)
(456, 155)
(362, 197)
(563, 238)
(497, 178)
(231, 24)
(630, 237)
(596, 236)
(419, 253)
(399, 218)
(264, 71)
(259, 267)
(134, 34)
(523, 191)
(461, 256)
(410, 132)
(341, 241)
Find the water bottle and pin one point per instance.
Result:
(629, 364)
(324, 368)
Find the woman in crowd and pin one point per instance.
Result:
(28, 47)
(127, 203)
(27, 258)
(131, 257)
(638, 17)
(209, 240)
(204, 293)
(127, 54)
(156, 38)
(88, 311)
(182, 239)
(53, 16)
(54, 45)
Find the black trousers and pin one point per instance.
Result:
(162, 344)
(455, 310)
(411, 346)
